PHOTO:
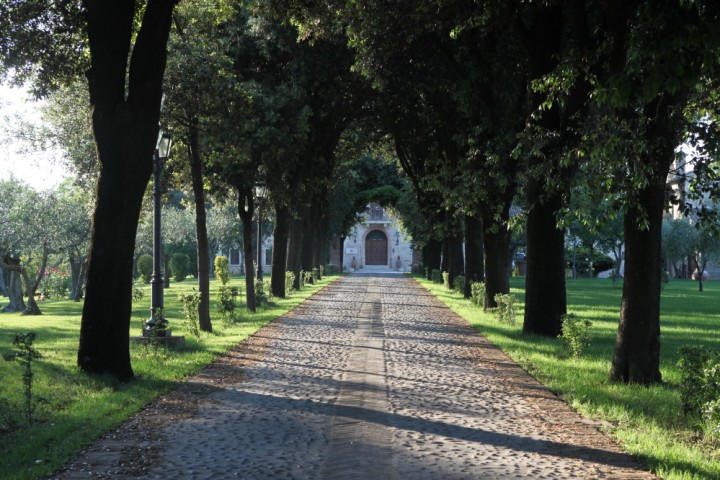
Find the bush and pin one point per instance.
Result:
(190, 303)
(289, 281)
(459, 283)
(307, 278)
(330, 269)
(179, 266)
(700, 387)
(505, 310)
(145, 267)
(575, 336)
(222, 270)
(446, 279)
(260, 295)
(477, 290)
(436, 276)
(137, 292)
(55, 283)
(602, 263)
(227, 301)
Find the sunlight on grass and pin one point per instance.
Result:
(646, 420)
(75, 408)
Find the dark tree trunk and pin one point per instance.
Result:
(637, 347)
(3, 286)
(125, 115)
(78, 270)
(341, 246)
(433, 255)
(32, 286)
(308, 244)
(203, 260)
(294, 262)
(474, 261)
(245, 210)
(280, 250)
(497, 266)
(545, 298)
(456, 260)
(445, 260)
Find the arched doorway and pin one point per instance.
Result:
(376, 248)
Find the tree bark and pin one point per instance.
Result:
(294, 262)
(245, 199)
(497, 265)
(32, 306)
(308, 243)
(474, 262)
(637, 347)
(445, 260)
(545, 297)
(203, 260)
(456, 260)
(125, 130)
(16, 292)
(280, 250)
(433, 254)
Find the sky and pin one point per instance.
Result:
(38, 169)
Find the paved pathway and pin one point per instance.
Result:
(372, 378)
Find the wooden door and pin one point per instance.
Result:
(376, 248)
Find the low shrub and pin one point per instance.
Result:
(446, 279)
(190, 303)
(222, 269)
(575, 335)
(289, 282)
(459, 283)
(227, 301)
(505, 310)
(260, 295)
(477, 293)
(436, 276)
(700, 387)
(55, 283)
(179, 266)
(145, 267)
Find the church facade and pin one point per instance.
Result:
(376, 242)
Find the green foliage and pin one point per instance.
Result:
(315, 274)
(478, 293)
(227, 301)
(55, 283)
(289, 282)
(505, 310)
(446, 279)
(222, 269)
(179, 266)
(700, 382)
(190, 303)
(137, 292)
(26, 354)
(260, 293)
(459, 283)
(575, 335)
(329, 269)
(145, 267)
(307, 278)
(436, 276)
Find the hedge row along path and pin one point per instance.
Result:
(371, 378)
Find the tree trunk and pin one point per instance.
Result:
(203, 261)
(341, 246)
(32, 306)
(125, 116)
(474, 262)
(545, 297)
(3, 286)
(308, 244)
(637, 347)
(433, 255)
(445, 260)
(497, 267)
(245, 198)
(280, 250)
(456, 260)
(294, 262)
(16, 292)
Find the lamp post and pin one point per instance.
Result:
(157, 325)
(260, 193)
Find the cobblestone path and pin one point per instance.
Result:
(372, 378)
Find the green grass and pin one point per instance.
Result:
(646, 420)
(79, 408)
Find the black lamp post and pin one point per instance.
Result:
(260, 194)
(157, 325)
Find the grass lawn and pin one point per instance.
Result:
(646, 420)
(77, 408)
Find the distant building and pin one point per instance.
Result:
(377, 241)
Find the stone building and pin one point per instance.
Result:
(376, 242)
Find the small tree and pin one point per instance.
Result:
(145, 267)
(180, 266)
(222, 270)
